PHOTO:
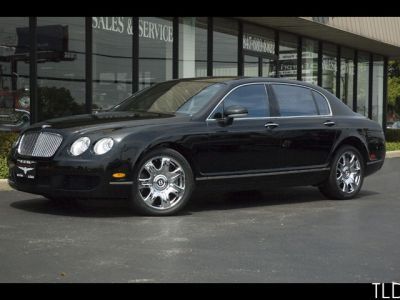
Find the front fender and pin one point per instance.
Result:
(190, 139)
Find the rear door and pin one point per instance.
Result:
(306, 126)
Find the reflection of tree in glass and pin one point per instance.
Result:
(393, 108)
(57, 102)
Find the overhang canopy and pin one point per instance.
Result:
(326, 33)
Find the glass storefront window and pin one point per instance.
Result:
(377, 89)
(192, 47)
(112, 60)
(310, 61)
(61, 76)
(259, 51)
(329, 67)
(362, 83)
(61, 66)
(14, 73)
(346, 76)
(225, 47)
(155, 50)
(288, 56)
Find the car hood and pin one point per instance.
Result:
(107, 120)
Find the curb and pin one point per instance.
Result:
(4, 185)
(391, 154)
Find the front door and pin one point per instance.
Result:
(245, 145)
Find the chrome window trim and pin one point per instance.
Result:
(273, 117)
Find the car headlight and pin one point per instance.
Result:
(103, 146)
(80, 146)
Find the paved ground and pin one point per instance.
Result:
(292, 235)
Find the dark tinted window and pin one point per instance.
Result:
(321, 103)
(253, 97)
(294, 100)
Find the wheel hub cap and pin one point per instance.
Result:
(161, 182)
(348, 172)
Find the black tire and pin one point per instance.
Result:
(330, 187)
(136, 198)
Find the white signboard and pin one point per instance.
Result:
(258, 44)
(123, 25)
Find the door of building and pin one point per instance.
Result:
(258, 64)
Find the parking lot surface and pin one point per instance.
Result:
(280, 235)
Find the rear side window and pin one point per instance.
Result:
(253, 97)
(323, 107)
(294, 100)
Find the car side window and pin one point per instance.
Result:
(323, 107)
(253, 97)
(294, 100)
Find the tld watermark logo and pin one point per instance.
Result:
(387, 290)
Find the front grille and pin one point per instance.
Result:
(39, 144)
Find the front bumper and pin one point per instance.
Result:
(73, 179)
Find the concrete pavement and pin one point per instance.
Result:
(282, 235)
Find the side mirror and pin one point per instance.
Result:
(236, 111)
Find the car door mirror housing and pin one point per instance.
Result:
(235, 111)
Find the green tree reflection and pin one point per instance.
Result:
(57, 102)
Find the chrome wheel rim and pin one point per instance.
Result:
(348, 172)
(161, 182)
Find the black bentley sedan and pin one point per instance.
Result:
(156, 146)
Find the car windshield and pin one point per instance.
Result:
(187, 96)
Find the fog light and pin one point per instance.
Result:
(119, 175)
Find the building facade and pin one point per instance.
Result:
(59, 66)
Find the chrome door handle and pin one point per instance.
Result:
(271, 125)
(329, 123)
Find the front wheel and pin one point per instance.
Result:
(163, 183)
(346, 175)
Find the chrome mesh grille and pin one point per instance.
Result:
(39, 144)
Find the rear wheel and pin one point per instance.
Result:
(346, 175)
(163, 183)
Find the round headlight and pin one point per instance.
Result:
(80, 146)
(103, 146)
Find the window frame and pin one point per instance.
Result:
(276, 102)
(269, 104)
(273, 103)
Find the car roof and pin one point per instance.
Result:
(238, 80)
(337, 106)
